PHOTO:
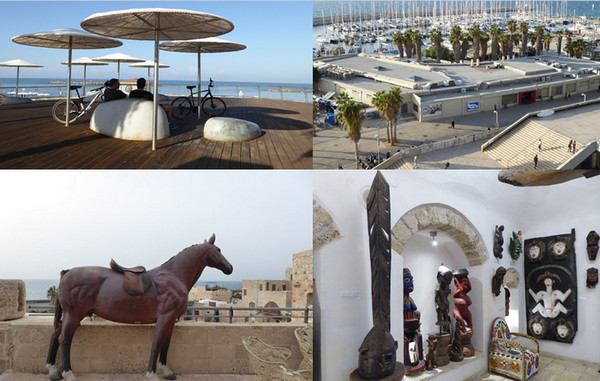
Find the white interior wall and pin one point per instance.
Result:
(342, 268)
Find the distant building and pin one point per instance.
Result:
(295, 291)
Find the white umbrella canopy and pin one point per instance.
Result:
(18, 63)
(118, 58)
(85, 62)
(199, 46)
(156, 24)
(67, 39)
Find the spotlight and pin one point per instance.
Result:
(433, 234)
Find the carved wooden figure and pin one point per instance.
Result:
(444, 277)
(592, 245)
(592, 277)
(497, 280)
(461, 300)
(515, 247)
(456, 354)
(108, 294)
(498, 241)
(413, 341)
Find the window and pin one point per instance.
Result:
(260, 287)
(557, 90)
(272, 287)
(509, 99)
(245, 292)
(570, 87)
(283, 287)
(251, 305)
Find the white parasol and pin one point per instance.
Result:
(118, 58)
(148, 64)
(67, 39)
(156, 24)
(85, 62)
(202, 45)
(18, 63)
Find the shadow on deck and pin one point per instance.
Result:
(30, 138)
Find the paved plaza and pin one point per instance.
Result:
(332, 148)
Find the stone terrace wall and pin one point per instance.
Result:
(105, 347)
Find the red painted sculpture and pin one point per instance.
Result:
(130, 296)
(461, 300)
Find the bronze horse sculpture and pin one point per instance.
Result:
(130, 296)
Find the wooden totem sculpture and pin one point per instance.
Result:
(377, 354)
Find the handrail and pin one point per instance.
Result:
(216, 316)
(240, 90)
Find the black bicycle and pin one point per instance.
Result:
(77, 109)
(211, 106)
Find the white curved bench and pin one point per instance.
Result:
(129, 119)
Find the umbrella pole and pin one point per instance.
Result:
(155, 111)
(69, 82)
(84, 70)
(17, 90)
(199, 88)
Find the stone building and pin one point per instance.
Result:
(201, 293)
(302, 279)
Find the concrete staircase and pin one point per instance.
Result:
(400, 164)
(517, 148)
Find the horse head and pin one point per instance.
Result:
(215, 259)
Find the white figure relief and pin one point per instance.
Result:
(549, 301)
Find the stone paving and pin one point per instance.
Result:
(332, 147)
(9, 376)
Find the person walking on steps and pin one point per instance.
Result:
(540, 144)
(535, 161)
(570, 144)
(452, 124)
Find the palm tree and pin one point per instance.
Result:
(579, 47)
(503, 40)
(398, 40)
(52, 294)
(484, 38)
(539, 35)
(511, 25)
(383, 102)
(408, 43)
(416, 37)
(349, 116)
(436, 38)
(547, 40)
(455, 34)
(475, 34)
(558, 41)
(569, 37)
(524, 29)
(494, 33)
(396, 101)
(515, 38)
(464, 45)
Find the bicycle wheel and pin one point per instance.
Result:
(213, 106)
(59, 111)
(181, 108)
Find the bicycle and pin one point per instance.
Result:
(211, 106)
(77, 108)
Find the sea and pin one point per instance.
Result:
(326, 13)
(561, 8)
(42, 87)
(37, 289)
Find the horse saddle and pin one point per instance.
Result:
(137, 280)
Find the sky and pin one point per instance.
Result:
(55, 220)
(277, 35)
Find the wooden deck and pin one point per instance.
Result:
(30, 138)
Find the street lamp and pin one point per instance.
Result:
(584, 96)
(378, 157)
(496, 113)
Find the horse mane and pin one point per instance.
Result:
(187, 248)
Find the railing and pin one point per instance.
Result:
(278, 314)
(287, 93)
(228, 314)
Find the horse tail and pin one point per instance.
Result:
(58, 309)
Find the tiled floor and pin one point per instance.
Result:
(553, 369)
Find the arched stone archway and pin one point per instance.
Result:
(444, 218)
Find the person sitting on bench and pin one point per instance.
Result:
(143, 94)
